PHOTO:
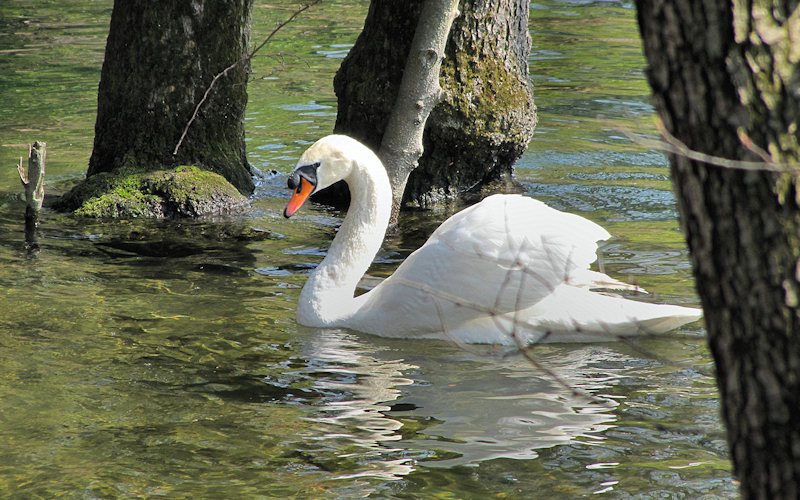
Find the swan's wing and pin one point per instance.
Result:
(507, 228)
(506, 253)
(572, 314)
(503, 254)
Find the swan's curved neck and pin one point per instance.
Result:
(327, 297)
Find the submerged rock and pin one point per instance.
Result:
(186, 191)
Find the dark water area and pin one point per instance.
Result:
(162, 358)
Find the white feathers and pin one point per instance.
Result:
(505, 270)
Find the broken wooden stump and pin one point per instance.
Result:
(33, 181)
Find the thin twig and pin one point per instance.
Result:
(525, 351)
(243, 60)
(446, 331)
(750, 144)
(522, 346)
(672, 144)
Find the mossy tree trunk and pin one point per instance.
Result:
(726, 82)
(486, 120)
(161, 56)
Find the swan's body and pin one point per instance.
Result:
(505, 270)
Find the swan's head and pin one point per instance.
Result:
(327, 161)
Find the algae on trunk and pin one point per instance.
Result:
(487, 119)
(183, 192)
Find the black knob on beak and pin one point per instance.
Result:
(294, 180)
(307, 172)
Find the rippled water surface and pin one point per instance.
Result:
(142, 358)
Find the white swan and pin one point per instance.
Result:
(505, 270)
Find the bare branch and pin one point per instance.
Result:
(752, 146)
(243, 60)
(672, 144)
(446, 331)
(419, 91)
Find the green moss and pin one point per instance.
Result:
(186, 191)
(481, 90)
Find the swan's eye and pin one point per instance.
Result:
(307, 172)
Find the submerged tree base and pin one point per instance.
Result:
(186, 191)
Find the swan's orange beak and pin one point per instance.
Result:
(299, 196)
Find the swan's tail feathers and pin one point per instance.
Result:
(573, 314)
(585, 278)
(667, 318)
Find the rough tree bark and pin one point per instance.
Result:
(474, 136)
(726, 82)
(160, 58)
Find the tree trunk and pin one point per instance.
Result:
(487, 118)
(160, 58)
(725, 75)
(419, 92)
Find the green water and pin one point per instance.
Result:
(147, 359)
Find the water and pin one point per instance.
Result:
(142, 358)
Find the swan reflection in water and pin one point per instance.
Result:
(393, 404)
